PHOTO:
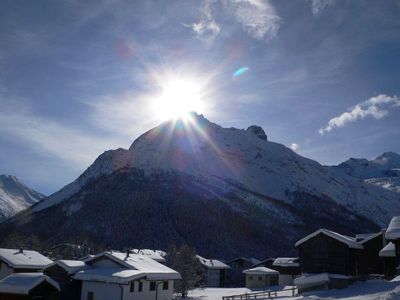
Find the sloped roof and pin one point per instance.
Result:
(286, 262)
(212, 263)
(251, 260)
(157, 255)
(112, 275)
(349, 241)
(370, 236)
(24, 259)
(72, 266)
(261, 271)
(145, 266)
(393, 230)
(388, 251)
(23, 283)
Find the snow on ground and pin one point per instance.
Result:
(218, 293)
(369, 290)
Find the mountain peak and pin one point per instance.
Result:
(15, 196)
(258, 131)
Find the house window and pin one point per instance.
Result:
(132, 287)
(152, 285)
(165, 285)
(250, 277)
(259, 278)
(274, 280)
(140, 286)
(90, 296)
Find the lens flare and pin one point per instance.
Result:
(240, 71)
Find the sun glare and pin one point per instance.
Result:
(178, 98)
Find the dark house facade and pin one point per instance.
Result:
(61, 272)
(369, 261)
(236, 277)
(325, 251)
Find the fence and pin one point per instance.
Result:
(261, 295)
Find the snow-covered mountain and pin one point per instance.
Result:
(383, 171)
(191, 181)
(15, 196)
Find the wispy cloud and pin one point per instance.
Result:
(257, 17)
(294, 146)
(375, 107)
(317, 6)
(45, 136)
(206, 29)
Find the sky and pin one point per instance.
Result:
(81, 77)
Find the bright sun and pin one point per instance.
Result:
(178, 98)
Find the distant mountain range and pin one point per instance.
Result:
(15, 196)
(225, 191)
(384, 171)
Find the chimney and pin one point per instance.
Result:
(127, 253)
(21, 250)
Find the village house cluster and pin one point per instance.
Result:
(326, 259)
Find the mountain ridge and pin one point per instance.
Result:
(15, 196)
(177, 170)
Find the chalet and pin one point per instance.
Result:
(261, 277)
(61, 272)
(214, 272)
(21, 286)
(325, 251)
(21, 261)
(288, 268)
(238, 265)
(388, 254)
(125, 276)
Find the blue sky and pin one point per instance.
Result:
(77, 77)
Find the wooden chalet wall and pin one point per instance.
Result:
(369, 261)
(70, 288)
(324, 254)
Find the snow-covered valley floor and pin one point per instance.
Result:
(370, 290)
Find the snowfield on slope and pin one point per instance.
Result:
(265, 167)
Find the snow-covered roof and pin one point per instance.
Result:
(311, 280)
(212, 263)
(369, 236)
(349, 241)
(148, 267)
(388, 251)
(23, 283)
(112, 275)
(286, 262)
(157, 255)
(261, 271)
(72, 266)
(24, 259)
(393, 230)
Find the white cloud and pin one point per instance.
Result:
(206, 29)
(257, 17)
(317, 6)
(375, 107)
(294, 146)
